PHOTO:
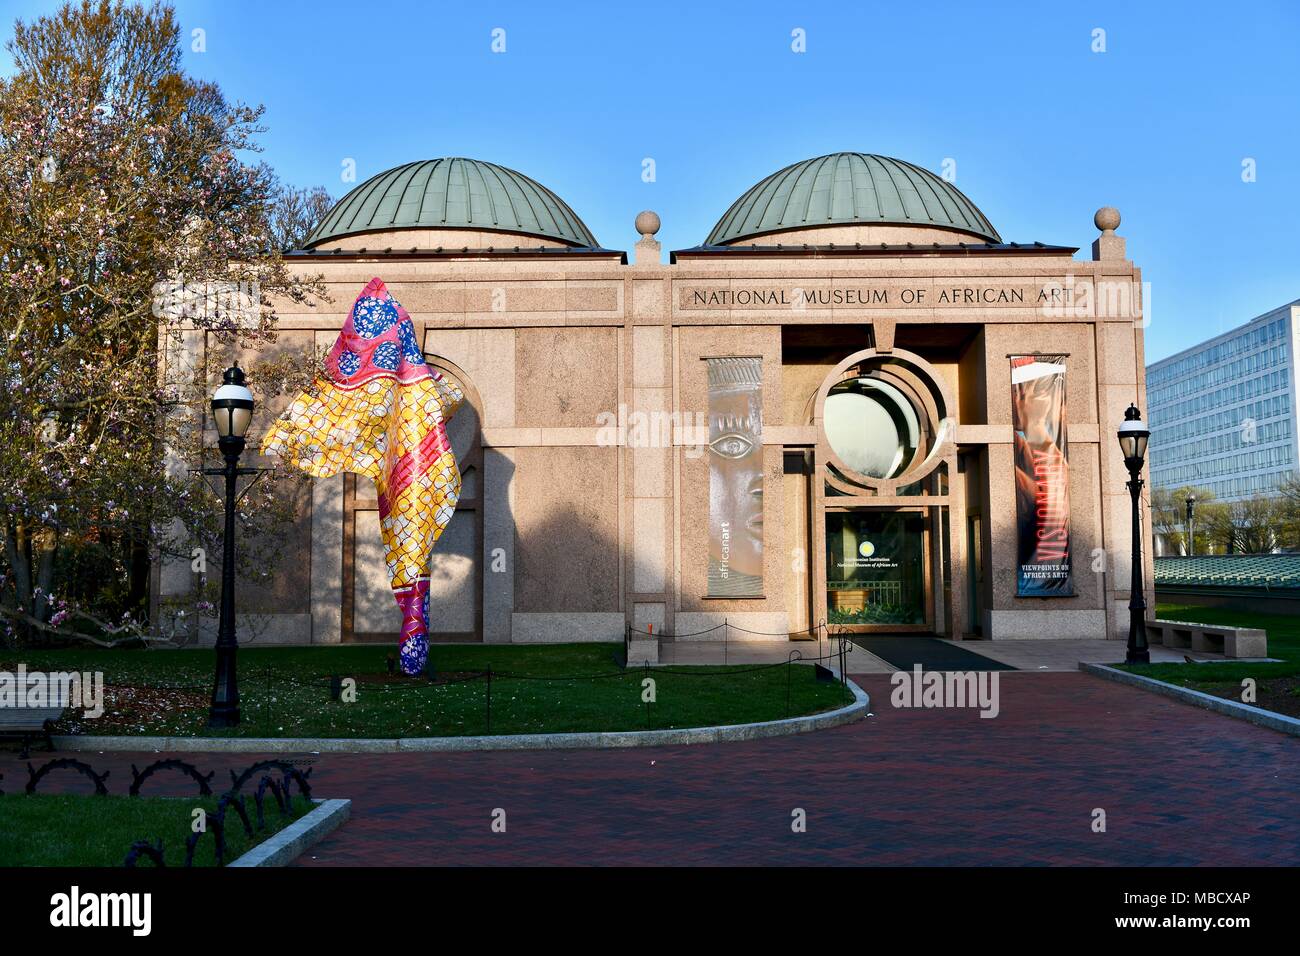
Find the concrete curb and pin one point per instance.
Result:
(1229, 708)
(295, 839)
(602, 739)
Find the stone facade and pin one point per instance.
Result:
(570, 529)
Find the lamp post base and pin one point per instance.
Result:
(1138, 652)
(219, 717)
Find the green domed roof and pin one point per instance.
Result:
(848, 188)
(453, 193)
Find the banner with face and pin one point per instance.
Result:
(1043, 567)
(735, 477)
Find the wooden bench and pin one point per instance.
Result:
(1209, 638)
(31, 723)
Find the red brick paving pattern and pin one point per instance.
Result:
(1180, 786)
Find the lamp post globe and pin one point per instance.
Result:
(1133, 437)
(232, 410)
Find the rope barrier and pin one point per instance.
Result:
(806, 630)
(833, 653)
(816, 629)
(707, 630)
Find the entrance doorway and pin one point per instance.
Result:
(885, 453)
(878, 569)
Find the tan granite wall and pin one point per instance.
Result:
(566, 529)
(565, 377)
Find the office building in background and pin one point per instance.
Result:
(1223, 413)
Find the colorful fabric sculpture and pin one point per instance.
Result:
(382, 413)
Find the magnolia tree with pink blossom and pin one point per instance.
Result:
(131, 216)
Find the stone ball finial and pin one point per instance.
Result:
(1107, 219)
(647, 223)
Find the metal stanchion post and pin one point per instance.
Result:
(789, 667)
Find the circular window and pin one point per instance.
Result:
(872, 427)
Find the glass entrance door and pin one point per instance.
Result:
(877, 569)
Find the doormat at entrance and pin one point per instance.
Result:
(905, 652)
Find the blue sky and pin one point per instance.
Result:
(1042, 129)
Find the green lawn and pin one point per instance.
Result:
(534, 689)
(80, 830)
(1276, 681)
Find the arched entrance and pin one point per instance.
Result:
(456, 574)
(884, 456)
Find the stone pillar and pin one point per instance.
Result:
(498, 516)
(327, 560)
(174, 579)
(1121, 379)
(1107, 245)
(647, 250)
(649, 452)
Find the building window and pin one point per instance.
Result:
(872, 426)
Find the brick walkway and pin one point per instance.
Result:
(1179, 786)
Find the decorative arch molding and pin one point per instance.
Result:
(923, 387)
(358, 497)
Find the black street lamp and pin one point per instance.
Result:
(232, 408)
(1191, 525)
(1133, 435)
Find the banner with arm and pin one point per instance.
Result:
(1044, 565)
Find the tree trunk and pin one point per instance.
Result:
(20, 567)
(139, 569)
(45, 544)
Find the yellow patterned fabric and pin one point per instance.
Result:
(381, 413)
